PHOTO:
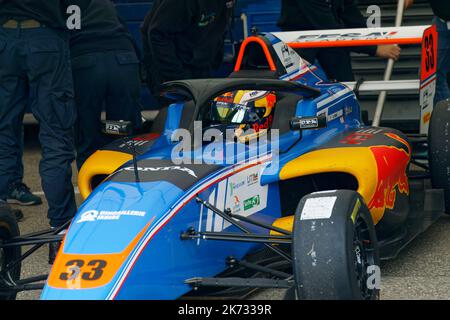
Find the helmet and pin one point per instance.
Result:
(249, 111)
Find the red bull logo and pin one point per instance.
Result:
(392, 164)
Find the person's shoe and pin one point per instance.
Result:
(53, 251)
(20, 194)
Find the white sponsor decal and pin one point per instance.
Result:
(95, 215)
(288, 57)
(346, 35)
(427, 94)
(333, 97)
(113, 128)
(318, 208)
(252, 178)
(252, 96)
(335, 115)
(159, 169)
(235, 185)
(250, 197)
(241, 193)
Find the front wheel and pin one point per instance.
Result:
(335, 250)
(8, 230)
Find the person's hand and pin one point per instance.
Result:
(408, 3)
(389, 51)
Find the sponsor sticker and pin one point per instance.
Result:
(252, 202)
(318, 208)
(95, 215)
(309, 123)
(288, 57)
(252, 178)
(246, 186)
(236, 205)
(161, 169)
(347, 36)
(427, 94)
(335, 115)
(235, 185)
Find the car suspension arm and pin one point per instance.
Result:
(240, 227)
(257, 223)
(191, 234)
(264, 269)
(240, 283)
(21, 288)
(37, 244)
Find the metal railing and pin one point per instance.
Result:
(389, 69)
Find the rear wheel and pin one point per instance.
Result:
(335, 249)
(439, 149)
(8, 230)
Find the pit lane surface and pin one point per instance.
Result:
(422, 271)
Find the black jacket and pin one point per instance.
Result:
(441, 8)
(52, 13)
(184, 39)
(298, 15)
(101, 30)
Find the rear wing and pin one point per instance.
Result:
(353, 37)
(426, 36)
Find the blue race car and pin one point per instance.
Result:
(266, 179)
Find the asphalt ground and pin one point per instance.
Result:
(421, 271)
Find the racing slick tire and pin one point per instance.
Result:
(439, 149)
(8, 230)
(335, 250)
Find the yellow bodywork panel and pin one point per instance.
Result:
(286, 223)
(356, 161)
(103, 162)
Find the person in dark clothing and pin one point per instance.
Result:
(35, 67)
(106, 76)
(301, 15)
(441, 10)
(184, 39)
(18, 192)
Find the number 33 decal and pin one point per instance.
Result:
(430, 52)
(91, 271)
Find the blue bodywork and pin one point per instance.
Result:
(161, 262)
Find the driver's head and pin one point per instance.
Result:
(251, 110)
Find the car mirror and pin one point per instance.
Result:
(117, 128)
(308, 123)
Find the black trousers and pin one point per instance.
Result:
(108, 81)
(35, 68)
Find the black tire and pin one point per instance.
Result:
(335, 249)
(291, 294)
(439, 149)
(8, 229)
